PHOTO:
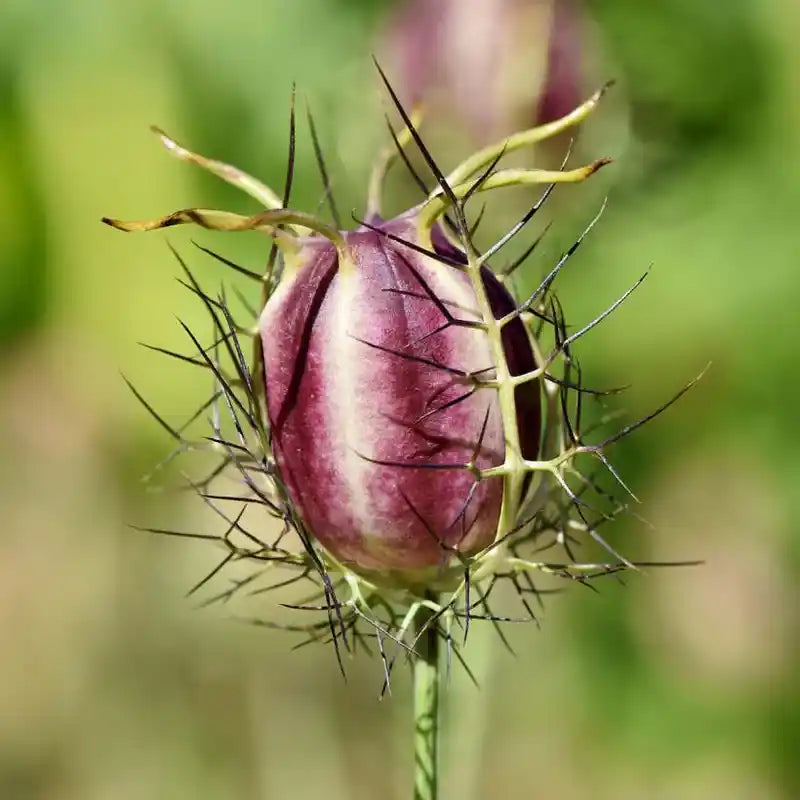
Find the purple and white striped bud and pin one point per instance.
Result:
(402, 383)
(373, 354)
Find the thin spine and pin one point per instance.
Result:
(526, 138)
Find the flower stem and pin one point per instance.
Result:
(427, 664)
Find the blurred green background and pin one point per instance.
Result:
(682, 684)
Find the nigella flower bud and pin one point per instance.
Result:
(373, 357)
(395, 405)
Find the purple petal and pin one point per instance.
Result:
(361, 367)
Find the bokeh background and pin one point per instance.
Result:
(681, 684)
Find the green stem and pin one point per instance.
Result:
(426, 708)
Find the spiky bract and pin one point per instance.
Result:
(412, 427)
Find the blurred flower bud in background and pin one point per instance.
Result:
(494, 65)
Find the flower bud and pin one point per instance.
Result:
(373, 356)
(402, 383)
(498, 64)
